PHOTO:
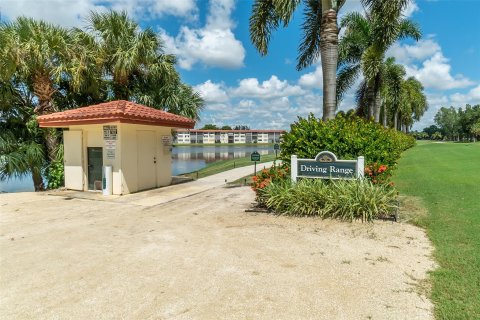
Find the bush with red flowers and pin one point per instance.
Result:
(266, 176)
(378, 173)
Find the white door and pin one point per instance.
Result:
(146, 174)
(73, 158)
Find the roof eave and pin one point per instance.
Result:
(63, 123)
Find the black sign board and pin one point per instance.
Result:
(255, 156)
(327, 166)
(327, 170)
(276, 146)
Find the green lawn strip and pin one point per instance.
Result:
(447, 177)
(224, 165)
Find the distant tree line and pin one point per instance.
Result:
(461, 124)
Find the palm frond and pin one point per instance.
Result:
(409, 29)
(263, 21)
(346, 77)
(309, 49)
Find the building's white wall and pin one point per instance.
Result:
(130, 156)
(93, 137)
(239, 138)
(208, 137)
(183, 137)
(125, 162)
(73, 159)
(223, 137)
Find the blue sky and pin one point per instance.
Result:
(215, 56)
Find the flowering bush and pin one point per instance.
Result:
(266, 176)
(378, 173)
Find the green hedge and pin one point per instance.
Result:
(347, 137)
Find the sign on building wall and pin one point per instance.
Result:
(110, 139)
(110, 132)
(327, 166)
(167, 140)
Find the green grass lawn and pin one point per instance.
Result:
(447, 177)
(224, 165)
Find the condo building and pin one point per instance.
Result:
(226, 136)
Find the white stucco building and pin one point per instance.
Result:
(133, 139)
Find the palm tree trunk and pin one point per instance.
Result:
(377, 106)
(37, 180)
(329, 56)
(370, 101)
(44, 90)
(385, 115)
(395, 120)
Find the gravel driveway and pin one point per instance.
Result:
(203, 257)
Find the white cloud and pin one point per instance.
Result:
(418, 51)
(213, 45)
(272, 88)
(212, 92)
(471, 97)
(411, 8)
(436, 73)
(70, 13)
(313, 79)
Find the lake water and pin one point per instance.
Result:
(184, 159)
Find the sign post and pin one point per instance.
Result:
(327, 166)
(276, 147)
(255, 156)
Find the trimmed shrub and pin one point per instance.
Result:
(341, 199)
(347, 137)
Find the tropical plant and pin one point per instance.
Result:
(413, 104)
(38, 53)
(134, 61)
(347, 137)
(21, 141)
(362, 51)
(342, 199)
(320, 37)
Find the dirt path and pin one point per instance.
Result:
(202, 257)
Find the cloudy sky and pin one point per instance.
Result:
(215, 55)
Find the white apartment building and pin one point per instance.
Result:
(226, 136)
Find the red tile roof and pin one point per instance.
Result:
(115, 111)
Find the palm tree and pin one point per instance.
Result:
(363, 47)
(139, 69)
(413, 104)
(37, 52)
(21, 141)
(320, 37)
(393, 78)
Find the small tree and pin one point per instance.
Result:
(226, 128)
(209, 126)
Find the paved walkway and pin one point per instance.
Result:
(162, 195)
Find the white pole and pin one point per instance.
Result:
(294, 168)
(360, 167)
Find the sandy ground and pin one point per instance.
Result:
(203, 257)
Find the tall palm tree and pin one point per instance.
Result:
(362, 49)
(391, 88)
(413, 104)
(320, 37)
(37, 52)
(135, 61)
